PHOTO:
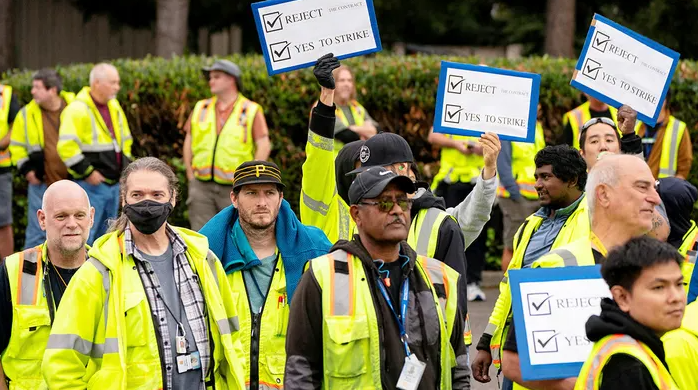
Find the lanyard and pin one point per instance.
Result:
(404, 300)
(595, 239)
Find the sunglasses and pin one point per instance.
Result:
(385, 205)
(593, 121)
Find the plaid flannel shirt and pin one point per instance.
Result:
(192, 300)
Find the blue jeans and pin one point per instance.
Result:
(105, 199)
(507, 384)
(34, 236)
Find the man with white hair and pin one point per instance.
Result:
(32, 283)
(95, 142)
(621, 198)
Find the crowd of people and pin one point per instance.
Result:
(368, 287)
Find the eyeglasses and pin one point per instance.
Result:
(593, 121)
(386, 205)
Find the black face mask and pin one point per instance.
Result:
(148, 215)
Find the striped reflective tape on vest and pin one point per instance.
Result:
(211, 261)
(670, 168)
(568, 258)
(341, 286)
(28, 282)
(425, 236)
(228, 325)
(315, 205)
(106, 283)
(437, 278)
(320, 142)
(344, 223)
(78, 344)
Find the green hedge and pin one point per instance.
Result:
(400, 92)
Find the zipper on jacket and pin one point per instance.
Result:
(256, 330)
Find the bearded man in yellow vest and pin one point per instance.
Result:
(645, 279)
(222, 132)
(353, 121)
(374, 314)
(573, 120)
(32, 283)
(9, 107)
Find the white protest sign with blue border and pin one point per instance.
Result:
(473, 99)
(295, 33)
(619, 66)
(551, 307)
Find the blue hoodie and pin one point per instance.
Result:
(297, 243)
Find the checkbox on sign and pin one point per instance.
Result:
(545, 341)
(591, 69)
(280, 51)
(272, 22)
(452, 113)
(539, 304)
(455, 84)
(600, 41)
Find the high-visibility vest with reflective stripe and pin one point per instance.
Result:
(351, 337)
(31, 321)
(689, 250)
(575, 228)
(83, 130)
(5, 99)
(669, 159)
(681, 349)
(457, 167)
(216, 156)
(358, 112)
(104, 330)
(523, 166)
(273, 325)
(423, 237)
(579, 116)
(591, 375)
(28, 131)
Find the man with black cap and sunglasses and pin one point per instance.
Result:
(222, 132)
(384, 316)
(263, 248)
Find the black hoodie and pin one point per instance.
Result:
(624, 371)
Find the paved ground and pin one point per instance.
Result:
(479, 314)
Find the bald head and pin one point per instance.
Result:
(62, 191)
(67, 217)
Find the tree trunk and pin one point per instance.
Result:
(559, 31)
(172, 27)
(7, 47)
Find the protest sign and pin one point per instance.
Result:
(551, 307)
(472, 100)
(295, 33)
(619, 66)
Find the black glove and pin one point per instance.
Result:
(323, 70)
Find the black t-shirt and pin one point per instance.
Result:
(56, 280)
(393, 272)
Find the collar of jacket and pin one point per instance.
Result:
(356, 248)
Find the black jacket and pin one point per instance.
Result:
(624, 371)
(304, 364)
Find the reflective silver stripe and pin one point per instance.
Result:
(28, 280)
(315, 205)
(69, 137)
(80, 345)
(96, 148)
(121, 130)
(30, 147)
(228, 325)
(425, 231)
(601, 354)
(490, 329)
(106, 283)
(243, 114)
(203, 110)
(436, 274)
(671, 170)
(505, 280)
(223, 175)
(342, 286)
(21, 162)
(211, 260)
(74, 160)
(321, 142)
(344, 223)
(568, 258)
(16, 143)
(691, 256)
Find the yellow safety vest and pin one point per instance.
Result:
(681, 348)
(579, 116)
(423, 237)
(457, 167)
(31, 321)
(216, 156)
(590, 377)
(689, 250)
(28, 131)
(271, 328)
(523, 165)
(5, 100)
(576, 227)
(358, 112)
(669, 159)
(351, 338)
(104, 330)
(84, 134)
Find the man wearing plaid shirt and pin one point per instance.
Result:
(179, 320)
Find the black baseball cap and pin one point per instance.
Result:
(383, 149)
(257, 172)
(372, 182)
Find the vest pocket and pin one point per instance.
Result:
(347, 350)
(135, 309)
(33, 325)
